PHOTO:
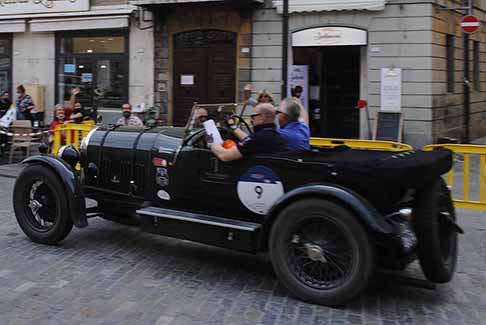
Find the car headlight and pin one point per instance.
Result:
(69, 154)
(85, 142)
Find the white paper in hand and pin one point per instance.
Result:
(212, 130)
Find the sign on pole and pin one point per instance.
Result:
(391, 90)
(470, 24)
(298, 84)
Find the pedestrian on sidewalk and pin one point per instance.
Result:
(24, 104)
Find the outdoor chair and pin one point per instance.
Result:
(21, 138)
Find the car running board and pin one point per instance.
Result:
(217, 231)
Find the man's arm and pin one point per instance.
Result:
(226, 154)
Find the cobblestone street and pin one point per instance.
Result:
(113, 274)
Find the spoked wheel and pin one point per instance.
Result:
(438, 238)
(40, 205)
(321, 253)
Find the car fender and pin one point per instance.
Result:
(348, 198)
(74, 192)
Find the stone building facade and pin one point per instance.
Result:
(96, 45)
(411, 35)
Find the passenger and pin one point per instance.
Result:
(265, 138)
(292, 126)
(128, 119)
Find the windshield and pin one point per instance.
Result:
(217, 112)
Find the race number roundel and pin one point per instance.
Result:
(259, 188)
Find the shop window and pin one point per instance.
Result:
(477, 65)
(450, 63)
(93, 45)
(5, 63)
(97, 64)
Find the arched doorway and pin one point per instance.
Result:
(204, 70)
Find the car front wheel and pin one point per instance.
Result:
(40, 205)
(321, 253)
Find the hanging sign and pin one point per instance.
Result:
(329, 36)
(298, 84)
(13, 7)
(470, 24)
(391, 90)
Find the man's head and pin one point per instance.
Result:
(126, 110)
(264, 114)
(288, 111)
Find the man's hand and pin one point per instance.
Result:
(226, 154)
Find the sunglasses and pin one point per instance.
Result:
(253, 116)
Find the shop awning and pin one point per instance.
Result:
(99, 17)
(168, 2)
(12, 26)
(329, 5)
(79, 23)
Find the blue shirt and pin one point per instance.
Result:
(297, 135)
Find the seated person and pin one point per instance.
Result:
(128, 119)
(292, 128)
(265, 138)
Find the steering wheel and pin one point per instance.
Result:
(240, 121)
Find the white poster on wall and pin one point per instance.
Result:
(298, 83)
(391, 90)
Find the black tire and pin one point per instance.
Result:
(349, 256)
(437, 239)
(49, 223)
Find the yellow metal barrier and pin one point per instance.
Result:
(361, 144)
(466, 151)
(68, 134)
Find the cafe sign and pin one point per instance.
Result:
(329, 36)
(20, 7)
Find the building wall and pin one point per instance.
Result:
(169, 23)
(408, 35)
(266, 63)
(33, 62)
(448, 113)
(141, 52)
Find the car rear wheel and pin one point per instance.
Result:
(321, 253)
(40, 205)
(437, 238)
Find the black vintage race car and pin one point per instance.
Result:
(328, 217)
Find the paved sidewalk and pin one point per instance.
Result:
(11, 170)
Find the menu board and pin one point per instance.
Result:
(388, 126)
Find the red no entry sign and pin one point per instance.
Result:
(470, 24)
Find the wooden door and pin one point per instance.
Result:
(204, 70)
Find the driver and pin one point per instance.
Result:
(265, 138)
